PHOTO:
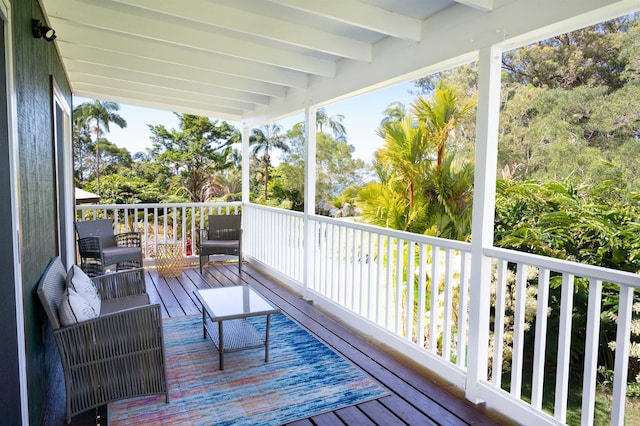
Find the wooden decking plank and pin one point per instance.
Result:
(194, 275)
(327, 419)
(344, 341)
(154, 296)
(353, 416)
(170, 302)
(379, 414)
(413, 416)
(303, 422)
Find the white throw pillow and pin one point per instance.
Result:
(82, 284)
(74, 308)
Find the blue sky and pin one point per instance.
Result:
(362, 115)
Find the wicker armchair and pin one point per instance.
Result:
(223, 236)
(117, 355)
(99, 247)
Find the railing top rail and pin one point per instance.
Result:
(152, 205)
(403, 235)
(559, 265)
(276, 210)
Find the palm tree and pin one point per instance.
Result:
(334, 123)
(102, 114)
(404, 152)
(394, 113)
(440, 115)
(263, 140)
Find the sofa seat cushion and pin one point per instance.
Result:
(74, 308)
(121, 303)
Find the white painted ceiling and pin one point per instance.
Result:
(256, 60)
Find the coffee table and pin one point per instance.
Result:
(230, 307)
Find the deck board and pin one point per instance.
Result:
(415, 397)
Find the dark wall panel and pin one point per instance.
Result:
(36, 61)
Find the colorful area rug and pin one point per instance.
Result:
(303, 378)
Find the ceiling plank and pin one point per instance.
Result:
(240, 100)
(150, 94)
(94, 92)
(147, 25)
(159, 52)
(251, 90)
(245, 22)
(361, 15)
(483, 5)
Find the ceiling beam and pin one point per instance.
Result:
(361, 15)
(279, 30)
(483, 5)
(141, 23)
(131, 47)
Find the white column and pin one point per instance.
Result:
(245, 164)
(309, 194)
(483, 214)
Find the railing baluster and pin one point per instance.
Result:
(448, 307)
(517, 359)
(389, 283)
(399, 265)
(422, 283)
(409, 291)
(540, 339)
(498, 337)
(591, 352)
(463, 297)
(564, 348)
(435, 290)
(623, 336)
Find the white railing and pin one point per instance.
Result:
(158, 223)
(523, 285)
(383, 277)
(380, 281)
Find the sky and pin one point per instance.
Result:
(362, 116)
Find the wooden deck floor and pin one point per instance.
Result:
(416, 398)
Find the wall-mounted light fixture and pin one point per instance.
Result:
(40, 30)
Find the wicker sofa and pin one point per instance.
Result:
(117, 355)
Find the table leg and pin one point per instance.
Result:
(266, 339)
(204, 324)
(221, 339)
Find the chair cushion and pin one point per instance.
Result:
(220, 244)
(74, 308)
(84, 286)
(121, 303)
(113, 255)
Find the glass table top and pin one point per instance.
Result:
(234, 302)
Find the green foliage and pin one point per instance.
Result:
(423, 187)
(191, 155)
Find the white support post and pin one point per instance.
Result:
(483, 213)
(245, 164)
(309, 195)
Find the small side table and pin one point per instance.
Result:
(170, 259)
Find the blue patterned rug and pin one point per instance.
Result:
(303, 378)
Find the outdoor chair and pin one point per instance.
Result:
(115, 355)
(223, 236)
(99, 247)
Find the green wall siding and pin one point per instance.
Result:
(35, 62)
